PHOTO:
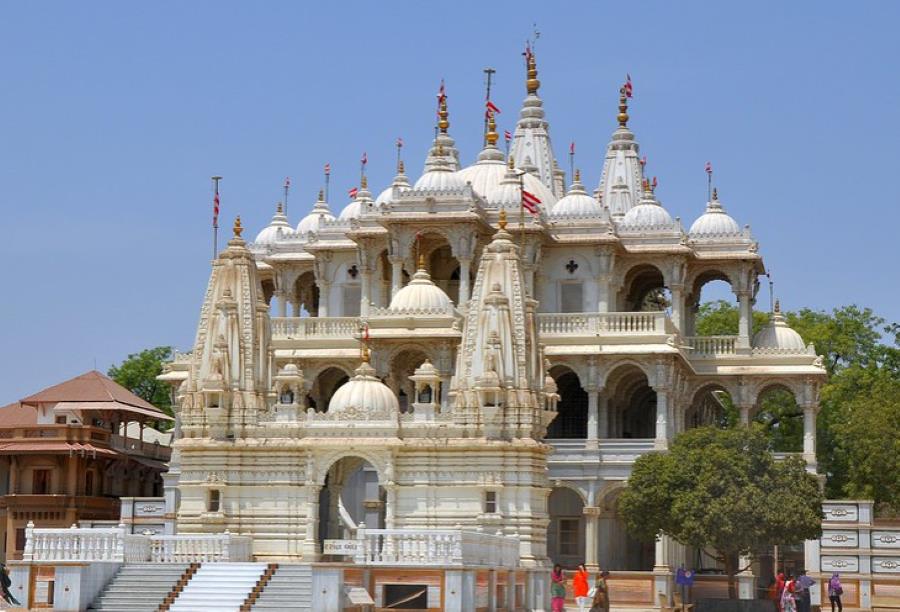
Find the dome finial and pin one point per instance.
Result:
(623, 107)
(443, 115)
(364, 353)
(778, 306)
(577, 176)
(532, 84)
(715, 194)
(279, 208)
(491, 136)
(510, 162)
(421, 261)
(400, 167)
(321, 195)
(363, 182)
(238, 228)
(501, 221)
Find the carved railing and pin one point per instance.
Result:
(599, 323)
(712, 346)
(431, 547)
(315, 327)
(115, 544)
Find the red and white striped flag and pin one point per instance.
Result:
(365, 159)
(644, 160)
(492, 107)
(327, 169)
(654, 183)
(399, 142)
(530, 202)
(709, 167)
(507, 136)
(441, 92)
(216, 210)
(287, 182)
(352, 192)
(629, 88)
(572, 148)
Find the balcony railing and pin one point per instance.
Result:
(82, 437)
(315, 327)
(430, 547)
(603, 323)
(712, 346)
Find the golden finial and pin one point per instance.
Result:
(421, 261)
(237, 227)
(363, 182)
(778, 306)
(578, 176)
(364, 353)
(532, 84)
(443, 123)
(400, 167)
(491, 135)
(715, 195)
(501, 221)
(280, 208)
(510, 163)
(623, 107)
(321, 195)
(645, 183)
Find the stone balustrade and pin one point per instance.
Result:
(600, 323)
(115, 544)
(435, 547)
(712, 346)
(315, 327)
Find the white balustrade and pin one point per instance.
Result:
(600, 323)
(712, 346)
(433, 547)
(114, 544)
(315, 327)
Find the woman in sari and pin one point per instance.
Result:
(600, 603)
(835, 590)
(557, 589)
(788, 603)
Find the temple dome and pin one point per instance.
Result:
(354, 209)
(439, 177)
(401, 182)
(275, 229)
(649, 213)
(507, 192)
(421, 294)
(319, 213)
(577, 202)
(364, 393)
(778, 335)
(715, 221)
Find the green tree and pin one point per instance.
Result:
(138, 374)
(720, 318)
(722, 489)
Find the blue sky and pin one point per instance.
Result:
(114, 115)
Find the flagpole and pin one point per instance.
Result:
(487, 97)
(287, 186)
(399, 147)
(327, 180)
(709, 186)
(572, 162)
(216, 180)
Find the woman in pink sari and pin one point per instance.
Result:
(557, 589)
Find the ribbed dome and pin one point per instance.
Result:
(486, 173)
(354, 209)
(401, 181)
(421, 294)
(270, 233)
(715, 221)
(507, 192)
(649, 213)
(439, 177)
(778, 335)
(577, 202)
(364, 393)
(350, 211)
(319, 213)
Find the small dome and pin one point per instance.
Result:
(319, 213)
(421, 294)
(778, 335)
(354, 209)
(350, 211)
(649, 213)
(364, 393)
(507, 192)
(577, 202)
(439, 177)
(486, 173)
(401, 181)
(715, 221)
(277, 227)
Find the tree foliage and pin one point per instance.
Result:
(720, 318)
(722, 489)
(138, 374)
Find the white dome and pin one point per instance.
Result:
(400, 181)
(439, 177)
(715, 221)
(649, 213)
(778, 335)
(271, 233)
(507, 192)
(364, 393)
(350, 211)
(319, 213)
(421, 294)
(354, 209)
(486, 173)
(577, 202)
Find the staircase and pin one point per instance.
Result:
(289, 590)
(138, 588)
(219, 587)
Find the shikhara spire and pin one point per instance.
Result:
(531, 144)
(443, 146)
(620, 180)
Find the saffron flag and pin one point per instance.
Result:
(530, 202)
(353, 192)
(654, 183)
(492, 107)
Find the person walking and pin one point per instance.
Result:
(580, 587)
(802, 593)
(788, 602)
(5, 583)
(600, 601)
(779, 590)
(835, 590)
(557, 589)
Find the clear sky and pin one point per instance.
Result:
(113, 116)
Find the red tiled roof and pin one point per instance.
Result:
(90, 387)
(17, 415)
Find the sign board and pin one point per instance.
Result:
(358, 596)
(684, 577)
(342, 547)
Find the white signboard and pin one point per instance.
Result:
(342, 547)
(358, 596)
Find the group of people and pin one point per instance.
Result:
(589, 599)
(792, 593)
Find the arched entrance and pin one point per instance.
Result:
(618, 550)
(632, 404)
(565, 534)
(350, 496)
(572, 409)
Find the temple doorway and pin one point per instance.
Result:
(351, 496)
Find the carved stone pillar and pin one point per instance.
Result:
(365, 293)
(464, 264)
(809, 435)
(745, 410)
(592, 538)
(396, 273)
(662, 419)
(592, 416)
(311, 543)
(603, 429)
(324, 295)
(281, 297)
(678, 306)
(745, 321)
